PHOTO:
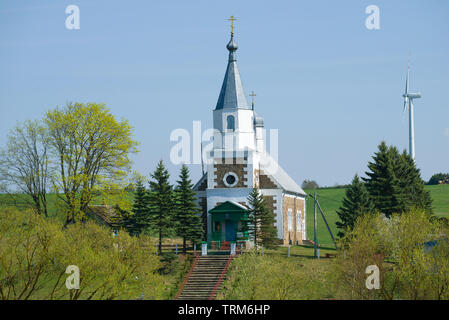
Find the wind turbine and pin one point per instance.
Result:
(408, 103)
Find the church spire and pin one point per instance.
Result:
(232, 95)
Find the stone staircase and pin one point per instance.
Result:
(205, 278)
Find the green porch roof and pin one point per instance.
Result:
(229, 207)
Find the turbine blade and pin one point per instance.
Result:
(405, 104)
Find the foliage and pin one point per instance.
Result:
(255, 277)
(410, 268)
(356, 203)
(309, 184)
(260, 221)
(436, 178)
(91, 152)
(160, 203)
(34, 255)
(189, 224)
(139, 221)
(24, 164)
(268, 231)
(394, 182)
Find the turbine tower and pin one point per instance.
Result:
(408, 103)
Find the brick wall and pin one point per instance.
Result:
(238, 166)
(293, 203)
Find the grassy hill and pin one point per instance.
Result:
(330, 200)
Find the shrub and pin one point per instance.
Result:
(411, 251)
(34, 255)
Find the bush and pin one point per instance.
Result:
(411, 251)
(34, 255)
(169, 262)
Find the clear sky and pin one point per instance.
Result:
(331, 86)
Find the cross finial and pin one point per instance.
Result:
(252, 95)
(232, 19)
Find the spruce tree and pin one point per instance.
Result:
(268, 231)
(357, 202)
(413, 186)
(125, 220)
(394, 183)
(160, 203)
(254, 216)
(189, 224)
(139, 220)
(382, 183)
(260, 221)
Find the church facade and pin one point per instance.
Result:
(239, 162)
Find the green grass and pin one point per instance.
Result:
(330, 200)
(440, 196)
(275, 275)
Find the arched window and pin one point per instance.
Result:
(230, 123)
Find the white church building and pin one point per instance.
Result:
(240, 162)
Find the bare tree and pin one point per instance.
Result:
(24, 164)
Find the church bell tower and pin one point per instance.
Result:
(233, 116)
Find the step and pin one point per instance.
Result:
(204, 277)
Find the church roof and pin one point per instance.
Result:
(232, 95)
(270, 166)
(201, 185)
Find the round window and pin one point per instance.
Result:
(230, 179)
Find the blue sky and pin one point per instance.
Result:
(332, 87)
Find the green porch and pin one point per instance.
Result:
(227, 223)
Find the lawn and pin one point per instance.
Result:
(277, 276)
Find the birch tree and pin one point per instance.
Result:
(24, 164)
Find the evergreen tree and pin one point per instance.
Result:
(382, 183)
(138, 221)
(260, 221)
(268, 231)
(189, 224)
(125, 220)
(413, 186)
(161, 203)
(394, 183)
(436, 178)
(357, 202)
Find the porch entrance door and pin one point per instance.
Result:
(231, 231)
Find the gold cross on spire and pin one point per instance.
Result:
(252, 95)
(232, 19)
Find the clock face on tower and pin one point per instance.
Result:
(230, 179)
